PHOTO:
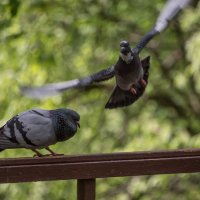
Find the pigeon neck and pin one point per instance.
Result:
(127, 58)
(59, 126)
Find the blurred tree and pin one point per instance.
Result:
(48, 41)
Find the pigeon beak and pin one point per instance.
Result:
(78, 124)
(125, 50)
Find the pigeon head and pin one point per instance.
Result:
(68, 113)
(125, 52)
(66, 122)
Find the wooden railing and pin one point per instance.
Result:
(86, 168)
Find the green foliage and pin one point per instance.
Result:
(43, 41)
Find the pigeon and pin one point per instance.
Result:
(131, 76)
(128, 89)
(38, 128)
(131, 69)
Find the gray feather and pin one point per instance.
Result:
(171, 9)
(56, 88)
(6, 143)
(49, 89)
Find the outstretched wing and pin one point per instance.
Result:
(120, 98)
(170, 10)
(56, 88)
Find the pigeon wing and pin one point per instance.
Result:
(169, 12)
(30, 129)
(37, 128)
(56, 88)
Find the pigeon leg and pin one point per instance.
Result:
(143, 82)
(52, 152)
(133, 91)
(37, 153)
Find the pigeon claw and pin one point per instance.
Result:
(52, 153)
(133, 91)
(41, 155)
(56, 154)
(143, 82)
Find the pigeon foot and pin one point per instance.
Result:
(133, 91)
(143, 82)
(38, 154)
(52, 153)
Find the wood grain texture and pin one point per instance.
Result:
(99, 166)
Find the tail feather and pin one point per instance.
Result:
(1, 133)
(5, 142)
(121, 98)
(146, 65)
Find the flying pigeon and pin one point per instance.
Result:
(130, 89)
(131, 76)
(128, 71)
(37, 128)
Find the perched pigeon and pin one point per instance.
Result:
(131, 74)
(37, 129)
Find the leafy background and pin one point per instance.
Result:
(43, 41)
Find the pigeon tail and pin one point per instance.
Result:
(1, 130)
(119, 98)
(146, 65)
(5, 142)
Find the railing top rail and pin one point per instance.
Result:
(99, 165)
(99, 157)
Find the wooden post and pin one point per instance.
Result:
(86, 189)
